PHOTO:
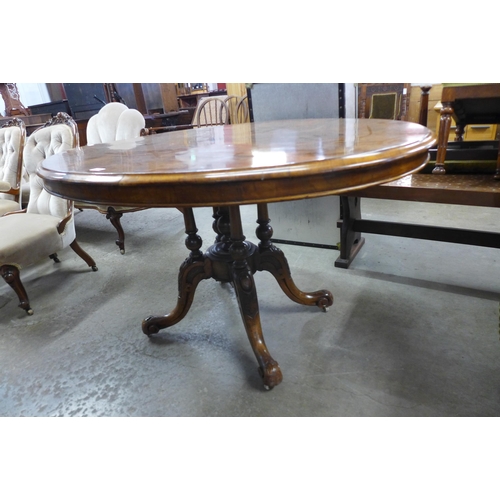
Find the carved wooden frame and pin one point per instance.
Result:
(17, 122)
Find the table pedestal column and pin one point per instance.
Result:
(235, 260)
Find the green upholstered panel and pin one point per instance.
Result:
(384, 106)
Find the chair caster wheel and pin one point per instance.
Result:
(122, 251)
(94, 268)
(149, 328)
(29, 312)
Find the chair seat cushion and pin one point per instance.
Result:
(28, 238)
(8, 206)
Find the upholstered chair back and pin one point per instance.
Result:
(114, 122)
(56, 136)
(12, 136)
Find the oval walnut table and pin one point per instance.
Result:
(225, 167)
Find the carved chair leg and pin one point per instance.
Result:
(114, 217)
(11, 276)
(84, 255)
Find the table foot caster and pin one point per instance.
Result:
(271, 375)
(326, 301)
(148, 327)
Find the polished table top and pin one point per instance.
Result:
(240, 164)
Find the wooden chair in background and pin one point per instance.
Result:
(242, 110)
(384, 100)
(211, 111)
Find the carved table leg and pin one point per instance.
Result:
(444, 132)
(222, 226)
(273, 260)
(246, 294)
(194, 269)
(215, 225)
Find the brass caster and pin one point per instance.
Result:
(149, 329)
(325, 302)
(271, 376)
(439, 170)
(29, 312)
(122, 251)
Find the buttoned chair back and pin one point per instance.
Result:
(114, 122)
(46, 226)
(12, 138)
(59, 134)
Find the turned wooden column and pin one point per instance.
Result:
(444, 132)
(424, 105)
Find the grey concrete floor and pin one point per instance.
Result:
(413, 331)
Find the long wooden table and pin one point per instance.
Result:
(228, 166)
(454, 189)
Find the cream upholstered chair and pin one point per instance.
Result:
(12, 137)
(114, 122)
(46, 226)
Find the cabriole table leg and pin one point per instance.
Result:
(273, 260)
(193, 270)
(246, 294)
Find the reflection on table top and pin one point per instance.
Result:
(246, 163)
